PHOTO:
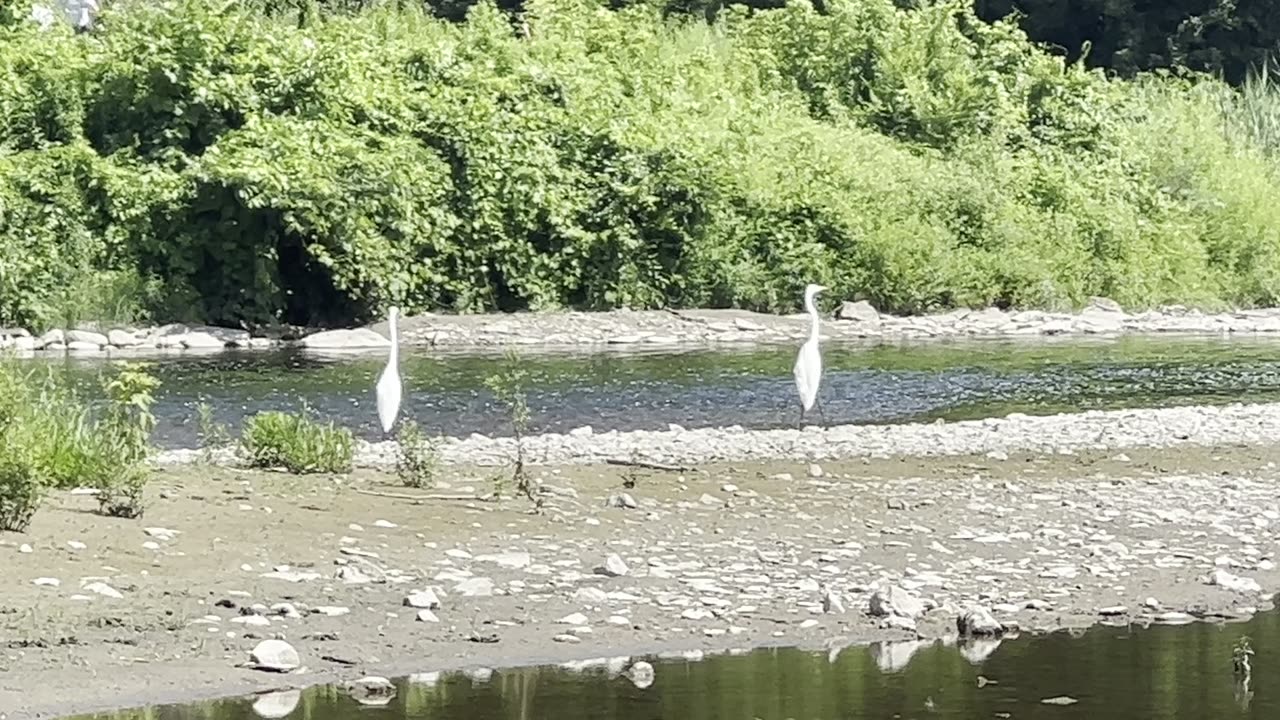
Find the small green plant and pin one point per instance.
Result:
(507, 387)
(213, 435)
(297, 443)
(21, 487)
(122, 441)
(417, 457)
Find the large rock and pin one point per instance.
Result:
(345, 340)
(894, 601)
(202, 341)
(123, 338)
(978, 622)
(275, 656)
(860, 312)
(87, 337)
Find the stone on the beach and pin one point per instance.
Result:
(275, 656)
(474, 587)
(590, 595)
(103, 589)
(423, 599)
(831, 602)
(201, 341)
(895, 601)
(344, 340)
(513, 560)
(425, 615)
(641, 674)
(860, 312)
(123, 338)
(614, 566)
(621, 500)
(978, 622)
(1234, 583)
(573, 619)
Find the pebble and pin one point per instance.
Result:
(614, 566)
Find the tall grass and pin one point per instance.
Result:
(51, 438)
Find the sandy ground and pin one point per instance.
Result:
(722, 556)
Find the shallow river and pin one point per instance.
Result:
(1182, 673)
(627, 391)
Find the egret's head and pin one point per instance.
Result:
(812, 289)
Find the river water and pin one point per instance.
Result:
(1158, 673)
(890, 382)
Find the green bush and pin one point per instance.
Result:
(417, 456)
(50, 438)
(21, 486)
(233, 162)
(296, 443)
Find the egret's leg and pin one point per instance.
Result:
(822, 413)
(800, 422)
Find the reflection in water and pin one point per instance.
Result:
(881, 383)
(1178, 673)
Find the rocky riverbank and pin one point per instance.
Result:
(999, 437)
(359, 580)
(656, 328)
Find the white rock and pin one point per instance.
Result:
(614, 566)
(895, 601)
(1234, 583)
(103, 589)
(423, 599)
(425, 615)
(275, 656)
(978, 622)
(573, 619)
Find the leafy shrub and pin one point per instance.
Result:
(417, 457)
(50, 438)
(297, 443)
(284, 160)
(21, 486)
(124, 435)
(213, 435)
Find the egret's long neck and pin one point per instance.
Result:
(395, 340)
(813, 317)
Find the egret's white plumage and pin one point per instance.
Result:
(388, 387)
(808, 367)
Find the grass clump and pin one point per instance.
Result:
(212, 435)
(51, 438)
(21, 486)
(417, 456)
(507, 386)
(297, 443)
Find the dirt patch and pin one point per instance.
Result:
(728, 555)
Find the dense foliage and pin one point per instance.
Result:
(199, 160)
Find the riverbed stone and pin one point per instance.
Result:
(978, 622)
(860, 312)
(344, 340)
(201, 341)
(275, 656)
(87, 337)
(123, 338)
(893, 600)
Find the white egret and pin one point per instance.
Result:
(388, 387)
(808, 368)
